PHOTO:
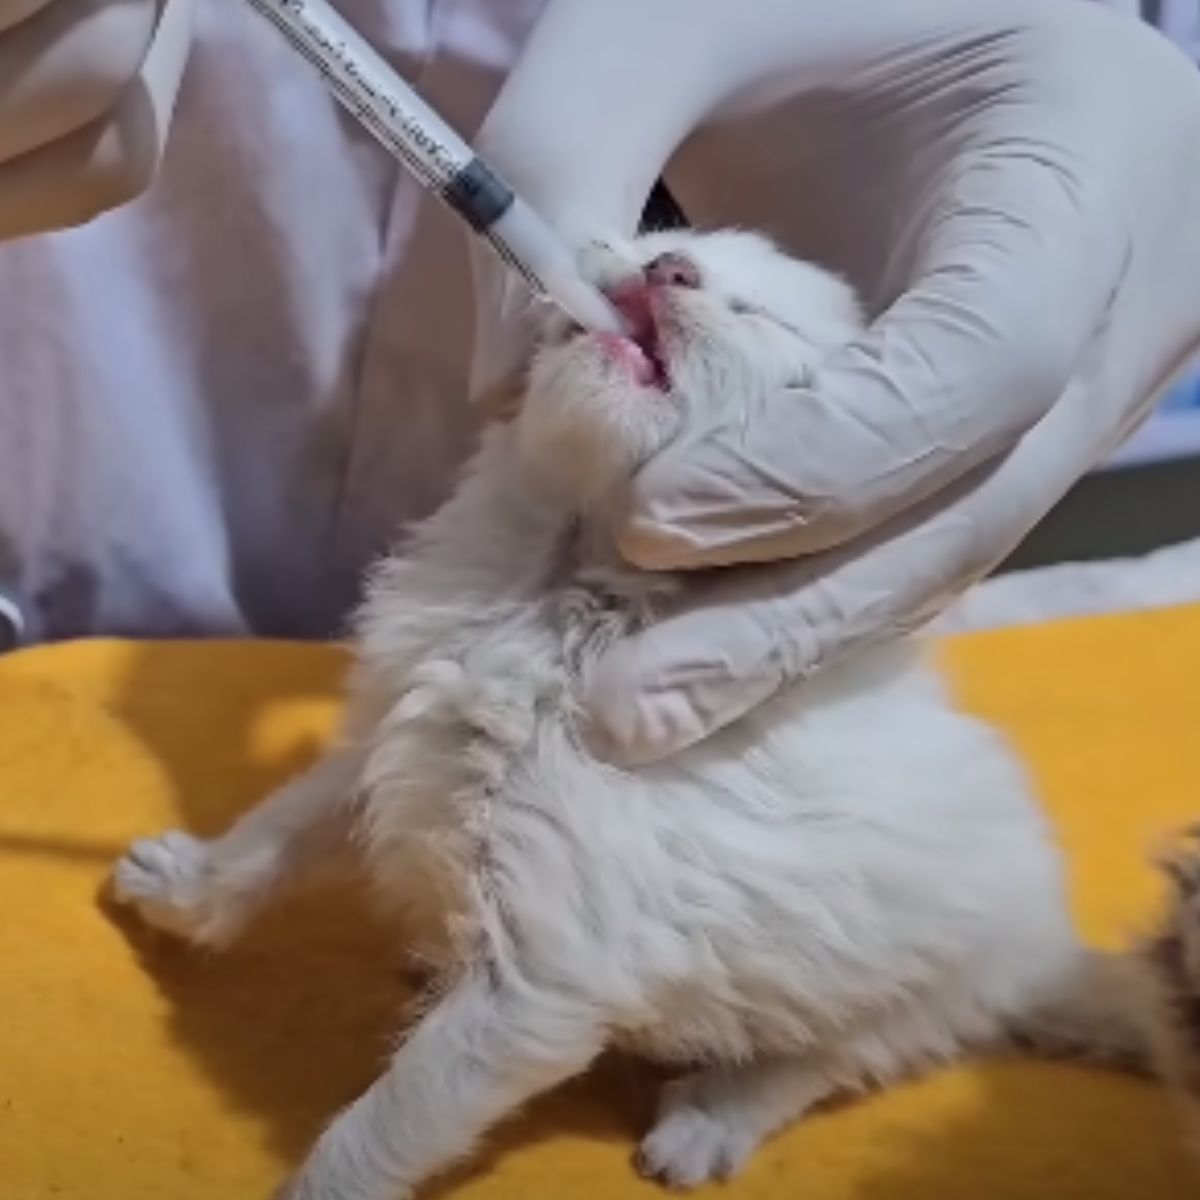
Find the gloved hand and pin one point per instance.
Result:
(1034, 206)
(87, 88)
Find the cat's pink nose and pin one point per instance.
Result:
(673, 270)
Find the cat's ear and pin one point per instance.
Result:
(501, 403)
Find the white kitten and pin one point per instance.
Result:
(850, 884)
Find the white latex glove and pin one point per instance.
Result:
(1043, 254)
(87, 88)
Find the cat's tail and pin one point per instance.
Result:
(1138, 1010)
(1170, 978)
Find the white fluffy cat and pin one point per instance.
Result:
(850, 884)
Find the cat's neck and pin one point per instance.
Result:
(506, 534)
(504, 548)
(482, 557)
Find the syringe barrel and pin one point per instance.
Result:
(369, 87)
(439, 159)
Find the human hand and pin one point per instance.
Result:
(1037, 288)
(87, 91)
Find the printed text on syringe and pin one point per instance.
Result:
(413, 129)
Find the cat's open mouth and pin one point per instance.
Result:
(633, 303)
(640, 349)
(642, 358)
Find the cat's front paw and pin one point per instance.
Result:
(167, 880)
(693, 1144)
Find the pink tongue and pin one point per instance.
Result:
(630, 353)
(632, 301)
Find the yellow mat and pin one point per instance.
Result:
(131, 1069)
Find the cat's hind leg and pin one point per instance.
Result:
(711, 1121)
(206, 892)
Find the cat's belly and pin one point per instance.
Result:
(777, 886)
(757, 892)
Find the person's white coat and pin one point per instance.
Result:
(219, 400)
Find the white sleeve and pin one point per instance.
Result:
(84, 121)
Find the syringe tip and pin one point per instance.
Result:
(585, 304)
(527, 242)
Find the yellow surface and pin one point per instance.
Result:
(131, 1069)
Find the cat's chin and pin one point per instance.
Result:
(629, 362)
(641, 363)
(592, 414)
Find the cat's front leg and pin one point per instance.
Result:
(206, 892)
(482, 1051)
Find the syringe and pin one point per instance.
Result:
(440, 160)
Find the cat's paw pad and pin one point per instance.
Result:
(166, 880)
(691, 1145)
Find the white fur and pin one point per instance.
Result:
(850, 884)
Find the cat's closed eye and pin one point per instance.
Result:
(744, 308)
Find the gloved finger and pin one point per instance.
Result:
(110, 160)
(12, 12)
(76, 177)
(1018, 243)
(739, 638)
(745, 632)
(604, 92)
(66, 65)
